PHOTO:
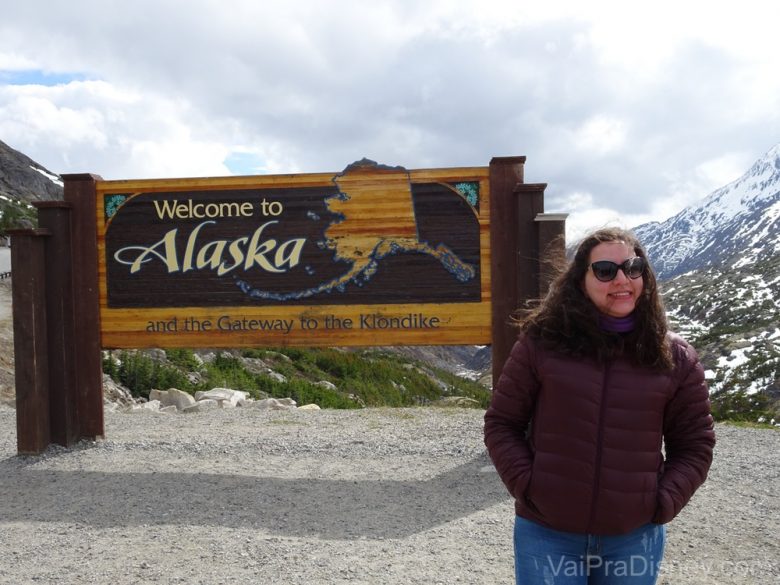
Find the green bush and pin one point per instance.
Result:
(739, 406)
(183, 358)
(15, 214)
(369, 378)
(140, 373)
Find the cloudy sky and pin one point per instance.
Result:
(628, 111)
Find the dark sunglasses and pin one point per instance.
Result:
(605, 270)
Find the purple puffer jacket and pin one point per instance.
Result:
(592, 460)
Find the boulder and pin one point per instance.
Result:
(202, 405)
(114, 393)
(274, 404)
(172, 397)
(150, 406)
(222, 395)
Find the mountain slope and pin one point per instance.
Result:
(730, 315)
(738, 223)
(22, 179)
(718, 263)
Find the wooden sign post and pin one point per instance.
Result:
(371, 255)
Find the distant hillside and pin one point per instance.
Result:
(22, 179)
(731, 315)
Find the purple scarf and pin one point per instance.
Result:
(617, 324)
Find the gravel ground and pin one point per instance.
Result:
(372, 496)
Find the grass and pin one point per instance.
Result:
(744, 424)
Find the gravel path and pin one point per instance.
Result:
(377, 496)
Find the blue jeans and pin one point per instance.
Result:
(549, 557)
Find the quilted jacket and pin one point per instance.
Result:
(599, 448)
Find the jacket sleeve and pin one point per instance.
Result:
(689, 437)
(508, 416)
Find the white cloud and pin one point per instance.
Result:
(96, 127)
(601, 135)
(15, 62)
(585, 215)
(643, 108)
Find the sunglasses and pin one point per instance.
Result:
(605, 271)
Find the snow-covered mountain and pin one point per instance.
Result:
(719, 270)
(738, 223)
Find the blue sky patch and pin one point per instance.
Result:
(245, 163)
(38, 77)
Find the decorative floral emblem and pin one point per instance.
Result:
(113, 203)
(470, 192)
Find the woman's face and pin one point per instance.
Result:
(618, 297)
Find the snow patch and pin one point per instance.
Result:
(53, 178)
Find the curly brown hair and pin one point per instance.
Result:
(568, 322)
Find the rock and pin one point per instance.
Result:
(207, 357)
(222, 395)
(202, 405)
(277, 356)
(276, 376)
(255, 365)
(172, 397)
(358, 399)
(169, 409)
(114, 393)
(151, 406)
(157, 355)
(274, 404)
(325, 384)
(207, 404)
(309, 407)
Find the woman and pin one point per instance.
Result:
(590, 391)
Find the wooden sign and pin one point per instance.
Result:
(372, 255)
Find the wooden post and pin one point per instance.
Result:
(30, 343)
(552, 247)
(80, 192)
(505, 174)
(515, 251)
(530, 203)
(63, 396)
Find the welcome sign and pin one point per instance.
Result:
(371, 255)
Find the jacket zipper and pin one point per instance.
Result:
(599, 448)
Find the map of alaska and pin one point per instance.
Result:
(375, 219)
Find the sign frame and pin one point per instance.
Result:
(302, 323)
